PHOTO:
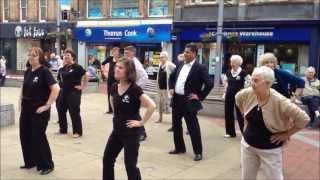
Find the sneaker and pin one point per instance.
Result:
(228, 136)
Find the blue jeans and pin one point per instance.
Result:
(313, 103)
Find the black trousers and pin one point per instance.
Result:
(180, 111)
(2, 80)
(34, 143)
(130, 144)
(229, 106)
(71, 101)
(109, 94)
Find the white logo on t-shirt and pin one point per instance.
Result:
(35, 79)
(126, 99)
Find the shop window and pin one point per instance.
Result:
(23, 10)
(291, 57)
(94, 9)
(125, 8)
(6, 10)
(43, 10)
(158, 8)
(65, 5)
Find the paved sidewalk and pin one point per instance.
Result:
(82, 158)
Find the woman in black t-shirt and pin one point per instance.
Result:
(39, 91)
(72, 80)
(236, 79)
(126, 100)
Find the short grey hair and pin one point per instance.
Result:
(266, 73)
(267, 58)
(237, 59)
(164, 54)
(311, 69)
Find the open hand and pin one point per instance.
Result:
(279, 137)
(134, 123)
(193, 96)
(41, 109)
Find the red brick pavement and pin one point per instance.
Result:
(301, 160)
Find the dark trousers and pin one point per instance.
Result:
(109, 94)
(34, 143)
(2, 80)
(69, 101)
(180, 111)
(313, 103)
(130, 144)
(229, 106)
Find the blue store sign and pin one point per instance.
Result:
(134, 34)
(249, 34)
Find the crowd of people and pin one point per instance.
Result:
(268, 113)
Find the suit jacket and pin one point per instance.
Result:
(198, 82)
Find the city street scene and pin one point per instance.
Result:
(160, 89)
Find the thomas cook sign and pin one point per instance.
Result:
(29, 31)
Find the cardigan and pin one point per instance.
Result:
(279, 114)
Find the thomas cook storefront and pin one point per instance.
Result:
(150, 37)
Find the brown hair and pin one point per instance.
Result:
(131, 73)
(73, 54)
(131, 48)
(38, 52)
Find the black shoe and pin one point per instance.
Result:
(109, 112)
(142, 137)
(46, 171)
(197, 157)
(170, 129)
(27, 167)
(177, 152)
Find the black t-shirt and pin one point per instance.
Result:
(256, 133)
(70, 76)
(36, 84)
(235, 84)
(162, 81)
(126, 107)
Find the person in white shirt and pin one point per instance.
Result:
(311, 96)
(142, 76)
(2, 70)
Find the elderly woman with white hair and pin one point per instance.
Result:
(270, 119)
(311, 96)
(166, 67)
(235, 80)
(282, 78)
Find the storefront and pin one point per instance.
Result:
(296, 46)
(17, 38)
(150, 37)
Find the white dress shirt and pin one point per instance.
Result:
(182, 78)
(142, 76)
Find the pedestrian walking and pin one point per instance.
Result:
(39, 91)
(109, 65)
(142, 76)
(189, 84)
(270, 120)
(236, 79)
(166, 67)
(72, 80)
(126, 98)
(3, 70)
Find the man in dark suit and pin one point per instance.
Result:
(189, 84)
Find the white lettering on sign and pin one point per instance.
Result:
(29, 32)
(241, 34)
(130, 33)
(112, 33)
(252, 34)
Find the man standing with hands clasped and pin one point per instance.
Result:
(189, 84)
